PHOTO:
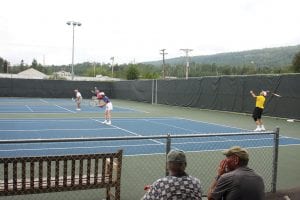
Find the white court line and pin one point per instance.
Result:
(137, 145)
(287, 137)
(29, 108)
(67, 129)
(211, 123)
(43, 119)
(82, 147)
(224, 138)
(42, 100)
(215, 124)
(127, 131)
(213, 141)
(173, 126)
(65, 108)
(259, 147)
(126, 108)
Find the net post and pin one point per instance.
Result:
(168, 149)
(275, 160)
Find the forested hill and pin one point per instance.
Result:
(269, 57)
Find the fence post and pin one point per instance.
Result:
(275, 159)
(152, 92)
(168, 149)
(156, 91)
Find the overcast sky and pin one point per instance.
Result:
(136, 30)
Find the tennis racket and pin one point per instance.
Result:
(277, 95)
(274, 94)
(96, 102)
(101, 103)
(93, 102)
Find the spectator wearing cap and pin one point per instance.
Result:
(258, 110)
(235, 180)
(178, 184)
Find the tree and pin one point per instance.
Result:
(37, 66)
(1, 65)
(34, 64)
(22, 65)
(5, 66)
(132, 73)
(296, 62)
(151, 75)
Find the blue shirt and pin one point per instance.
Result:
(106, 99)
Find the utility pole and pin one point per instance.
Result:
(164, 65)
(187, 62)
(43, 60)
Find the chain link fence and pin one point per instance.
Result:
(142, 169)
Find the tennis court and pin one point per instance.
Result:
(46, 105)
(39, 118)
(88, 127)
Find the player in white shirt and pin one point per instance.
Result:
(78, 99)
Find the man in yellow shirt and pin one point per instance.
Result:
(258, 110)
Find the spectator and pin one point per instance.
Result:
(236, 181)
(178, 184)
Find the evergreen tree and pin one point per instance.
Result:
(34, 64)
(1, 65)
(132, 73)
(5, 66)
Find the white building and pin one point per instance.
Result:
(26, 74)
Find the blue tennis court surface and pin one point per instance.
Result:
(38, 105)
(12, 129)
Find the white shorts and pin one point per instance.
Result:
(109, 106)
(79, 100)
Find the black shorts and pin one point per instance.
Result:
(257, 113)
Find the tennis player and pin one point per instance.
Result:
(108, 107)
(78, 99)
(95, 91)
(258, 110)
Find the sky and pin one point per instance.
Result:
(134, 31)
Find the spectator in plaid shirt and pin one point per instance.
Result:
(178, 185)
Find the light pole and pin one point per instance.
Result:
(73, 24)
(112, 66)
(187, 62)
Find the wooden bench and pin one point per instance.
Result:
(30, 175)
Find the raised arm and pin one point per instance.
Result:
(252, 93)
(221, 170)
